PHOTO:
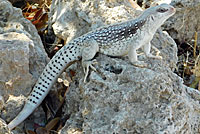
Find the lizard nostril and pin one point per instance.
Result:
(173, 9)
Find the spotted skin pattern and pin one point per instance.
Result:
(53, 69)
(115, 40)
(114, 33)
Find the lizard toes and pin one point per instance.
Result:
(86, 65)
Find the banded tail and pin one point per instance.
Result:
(63, 58)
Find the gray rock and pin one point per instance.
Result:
(124, 99)
(14, 57)
(12, 20)
(15, 77)
(185, 22)
(118, 98)
(22, 59)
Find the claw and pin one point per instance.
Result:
(84, 69)
(86, 65)
(86, 74)
(93, 62)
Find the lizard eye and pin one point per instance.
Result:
(161, 10)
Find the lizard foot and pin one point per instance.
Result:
(139, 64)
(86, 65)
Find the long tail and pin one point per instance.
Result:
(54, 68)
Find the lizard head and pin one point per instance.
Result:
(158, 15)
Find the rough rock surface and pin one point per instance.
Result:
(121, 98)
(183, 25)
(14, 53)
(118, 98)
(132, 100)
(22, 59)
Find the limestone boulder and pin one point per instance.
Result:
(121, 98)
(22, 59)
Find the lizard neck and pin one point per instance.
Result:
(150, 26)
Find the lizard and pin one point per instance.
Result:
(114, 40)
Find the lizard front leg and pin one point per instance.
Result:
(147, 48)
(88, 52)
(132, 55)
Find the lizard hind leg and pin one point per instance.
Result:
(88, 53)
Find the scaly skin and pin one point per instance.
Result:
(114, 40)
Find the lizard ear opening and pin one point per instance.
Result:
(162, 10)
